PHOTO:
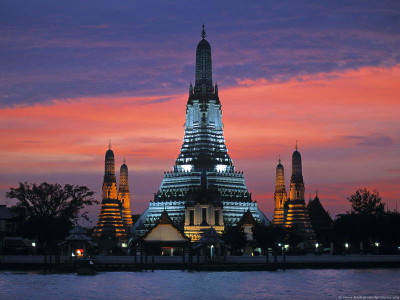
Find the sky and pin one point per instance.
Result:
(75, 74)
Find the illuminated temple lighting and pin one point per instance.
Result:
(290, 211)
(220, 168)
(115, 216)
(124, 195)
(187, 168)
(203, 190)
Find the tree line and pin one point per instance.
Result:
(48, 211)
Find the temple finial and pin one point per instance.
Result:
(124, 161)
(279, 158)
(203, 33)
(316, 193)
(109, 144)
(296, 146)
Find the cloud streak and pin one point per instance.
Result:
(59, 51)
(376, 140)
(346, 123)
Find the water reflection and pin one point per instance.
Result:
(292, 284)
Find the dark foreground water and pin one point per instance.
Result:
(292, 284)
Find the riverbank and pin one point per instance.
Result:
(232, 263)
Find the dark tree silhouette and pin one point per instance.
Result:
(269, 236)
(365, 202)
(48, 211)
(235, 237)
(368, 230)
(368, 224)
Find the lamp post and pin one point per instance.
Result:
(34, 247)
(377, 247)
(284, 256)
(285, 249)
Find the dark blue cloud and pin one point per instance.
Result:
(376, 140)
(60, 50)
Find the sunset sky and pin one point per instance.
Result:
(74, 74)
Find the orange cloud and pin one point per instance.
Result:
(346, 122)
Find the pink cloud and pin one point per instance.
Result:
(262, 120)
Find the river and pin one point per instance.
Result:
(292, 284)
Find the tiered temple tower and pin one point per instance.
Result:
(124, 195)
(110, 224)
(280, 196)
(297, 215)
(203, 189)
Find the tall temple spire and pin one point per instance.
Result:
(280, 195)
(203, 172)
(110, 181)
(203, 33)
(204, 144)
(110, 223)
(124, 195)
(203, 73)
(297, 173)
(280, 177)
(297, 214)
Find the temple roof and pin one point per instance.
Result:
(77, 230)
(165, 218)
(317, 213)
(247, 219)
(210, 237)
(77, 233)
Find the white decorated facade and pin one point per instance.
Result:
(203, 189)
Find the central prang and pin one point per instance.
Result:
(203, 190)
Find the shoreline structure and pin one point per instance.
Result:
(232, 263)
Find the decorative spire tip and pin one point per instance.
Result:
(296, 146)
(203, 33)
(124, 161)
(279, 158)
(109, 144)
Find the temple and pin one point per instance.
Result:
(290, 211)
(280, 195)
(124, 195)
(115, 216)
(203, 189)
